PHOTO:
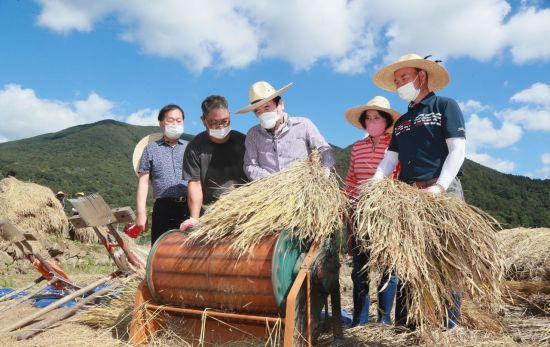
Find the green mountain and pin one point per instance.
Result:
(90, 158)
(97, 158)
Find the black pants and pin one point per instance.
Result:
(167, 215)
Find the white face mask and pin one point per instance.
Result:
(269, 119)
(173, 131)
(219, 133)
(408, 92)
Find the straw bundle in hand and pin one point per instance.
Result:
(301, 199)
(437, 245)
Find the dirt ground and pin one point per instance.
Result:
(520, 328)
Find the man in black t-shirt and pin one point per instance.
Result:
(213, 160)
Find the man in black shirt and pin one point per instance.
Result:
(213, 160)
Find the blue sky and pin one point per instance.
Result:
(64, 63)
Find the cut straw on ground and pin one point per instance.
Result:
(302, 199)
(527, 253)
(437, 244)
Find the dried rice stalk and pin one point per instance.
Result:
(437, 244)
(115, 315)
(300, 199)
(32, 207)
(526, 253)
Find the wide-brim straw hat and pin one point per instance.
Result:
(138, 150)
(438, 77)
(378, 103)
(59, 193)
(260, 93)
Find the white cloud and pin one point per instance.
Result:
(538, 94)
(449, 29)
(529, 118)
(471, 106)
(545, 158)
(544, 173)
(526, 33)
(347, 34)
(144, 117)
(482, 133)
(501, 165)
(535, 115)
(23, 114)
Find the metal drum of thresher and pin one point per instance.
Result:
(182, 274)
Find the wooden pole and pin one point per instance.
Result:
(46, 323)
(23, 322)
(10, 296)
(30, 295)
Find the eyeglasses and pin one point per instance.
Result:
(219, 123)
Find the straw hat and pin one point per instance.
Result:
(138, 150)
(378, 103)
(260, 93)
(438, 77)
(60, 193)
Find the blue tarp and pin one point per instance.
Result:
(49, 295)
(6, 291)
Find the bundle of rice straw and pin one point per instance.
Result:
(437, 245)
(526, 253)
(301, 199)
(32, 207)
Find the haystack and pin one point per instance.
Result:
(87, 235)
(436, 244)
(302, 199)
(526, 253)
(32, 207)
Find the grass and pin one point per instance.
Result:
(7, 282)
(88, 266)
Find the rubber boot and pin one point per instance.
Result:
(360, 280)
(401, 308)
(386, 295)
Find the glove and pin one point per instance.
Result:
(188, 223)
(436, 189)
(326, 172)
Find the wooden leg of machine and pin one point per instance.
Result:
(336, 309)
(288, 340)
(308, 283)
(290, 315)
(143, 326)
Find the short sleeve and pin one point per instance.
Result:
(191, 164)
(145, 161)
(453, 120)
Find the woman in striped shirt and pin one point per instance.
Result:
(377, 119)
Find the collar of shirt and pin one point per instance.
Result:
(283, 128)
(383, 139)
(161, 142)
(428, 99)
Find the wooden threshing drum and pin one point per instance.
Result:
(211, 277)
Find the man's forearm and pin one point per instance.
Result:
(194, 198)
(453, 162)
(141, 194)
(387, 165)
